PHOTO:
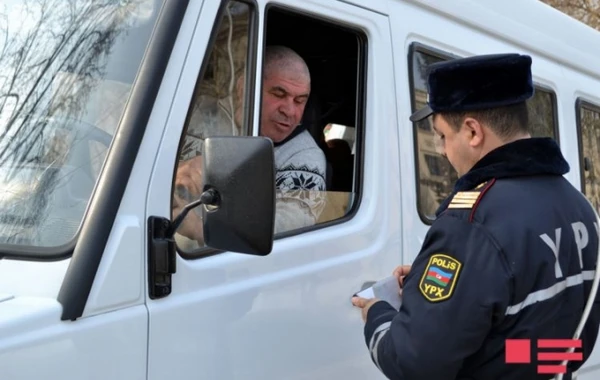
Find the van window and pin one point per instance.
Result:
(315, 123)
(332, 121)
(67, 69)
(589, 150)
(435, 175)
(543, 120)
(218, 107)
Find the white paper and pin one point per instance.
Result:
(367, 293)
(387, 289)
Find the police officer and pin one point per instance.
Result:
(512, 252)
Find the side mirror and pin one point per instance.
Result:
(238, 206)
(238, 195)
(240, 174)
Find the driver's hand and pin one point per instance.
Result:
(189, 177)
(188, 186)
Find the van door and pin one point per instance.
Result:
(287, 315)
(78, 83)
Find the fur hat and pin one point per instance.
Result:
(478, 82)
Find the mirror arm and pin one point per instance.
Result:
(209, 197)
(162, 255)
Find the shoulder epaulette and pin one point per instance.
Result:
(471, 198)
(465, 199)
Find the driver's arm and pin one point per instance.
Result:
(188, 182)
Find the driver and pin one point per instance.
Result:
(300, 163)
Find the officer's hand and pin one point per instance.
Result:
(400, 272)
(365, 304)
(188, 183)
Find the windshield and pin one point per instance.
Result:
(66, 72)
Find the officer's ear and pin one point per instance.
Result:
(474, 131)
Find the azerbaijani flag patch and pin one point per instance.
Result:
(438, 279)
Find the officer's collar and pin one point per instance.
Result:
(525, 157)
(533, 156)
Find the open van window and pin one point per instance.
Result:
(306, 198)
(65, 77)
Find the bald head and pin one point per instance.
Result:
(286, 88)
(278, 60)
(281, 59)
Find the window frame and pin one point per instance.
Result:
(418, 47)
(554, 97)
(256, 104)
(581, 103)
(250, 78)
(250, 66)
(415, 48)
(360, 115)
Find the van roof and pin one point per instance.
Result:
(549, 32)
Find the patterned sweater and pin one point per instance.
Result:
(300, 178)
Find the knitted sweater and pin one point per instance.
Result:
(299, 180)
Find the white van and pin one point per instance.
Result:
(95, 99)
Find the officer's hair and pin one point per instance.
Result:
(506, 121)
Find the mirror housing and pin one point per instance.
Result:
(241, 171)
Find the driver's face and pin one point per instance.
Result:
(285, 94)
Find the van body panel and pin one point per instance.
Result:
(35, 344)
(231, 314)
(287, 315)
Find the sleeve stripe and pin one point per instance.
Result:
(552, 291)
(375, 339)
(383, 326)
(376, 347)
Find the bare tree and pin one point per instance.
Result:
(590, 138)
(586, 11)
(53, 55)
(53, 38)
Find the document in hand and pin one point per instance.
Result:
(387, 289)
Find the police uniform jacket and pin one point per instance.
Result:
(511, 255)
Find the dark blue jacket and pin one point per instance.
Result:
(488, 271)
